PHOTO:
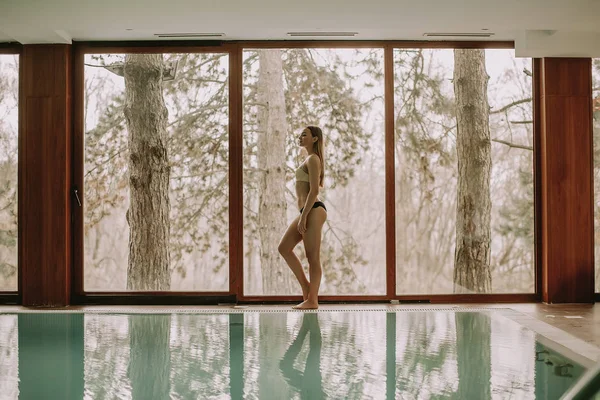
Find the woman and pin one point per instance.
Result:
(308, 225)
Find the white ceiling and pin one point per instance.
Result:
(539, 27)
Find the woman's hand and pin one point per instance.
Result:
(302, 225)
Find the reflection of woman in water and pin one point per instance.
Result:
(308, 225)
(308, 383)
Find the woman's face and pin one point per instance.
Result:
(306, 138)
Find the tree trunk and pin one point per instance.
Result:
(149, 368)
(474, 358)
(272, 343)
(276, 277)
(473, 209)
(148, 214)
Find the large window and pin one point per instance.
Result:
(9, 112)
(156, 170)
(341, 91)
(464, 172)
(156, 181)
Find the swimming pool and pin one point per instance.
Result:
(278, 355)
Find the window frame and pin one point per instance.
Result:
(235, 294)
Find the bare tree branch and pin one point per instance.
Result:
(516, 146)
(514, 103)
(119, 152)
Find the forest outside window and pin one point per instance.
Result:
(452, 236)
(341, 91)
(464, 172)
(9, 128)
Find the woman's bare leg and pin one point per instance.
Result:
(290, 239)
(312, 246)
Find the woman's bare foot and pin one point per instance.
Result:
(307, 305)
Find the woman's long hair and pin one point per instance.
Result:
(319, 149)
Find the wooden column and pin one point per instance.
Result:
(566, 180)
(44, 175)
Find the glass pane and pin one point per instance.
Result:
(341, 91)
(596, 145)
(487, 203)
(9, 128)
(156, 172)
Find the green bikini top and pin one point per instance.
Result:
(301, 175)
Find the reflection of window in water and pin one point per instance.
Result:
(279, 355)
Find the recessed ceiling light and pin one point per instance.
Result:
(459, 34)
(188, 35)
(328, 34)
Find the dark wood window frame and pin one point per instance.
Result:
(235, 292)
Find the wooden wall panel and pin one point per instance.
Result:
(390, 173)
(537, 177)
(566, 77)
(44, 176)
(236, 173)
(77, 151)
(567, 185)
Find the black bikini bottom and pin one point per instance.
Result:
(317, 204)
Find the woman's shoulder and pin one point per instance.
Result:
(313, 161)
(313, 158)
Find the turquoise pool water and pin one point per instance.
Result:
(277, 355)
